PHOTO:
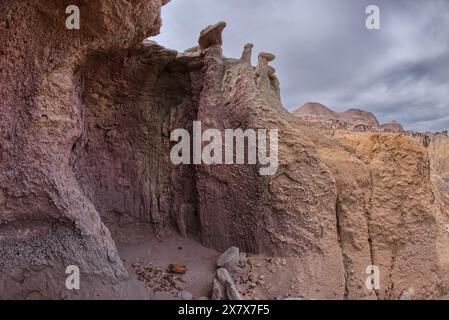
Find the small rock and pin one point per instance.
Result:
(407, 294)
(203, 298)
(185, 295)
(178, 269)
(281, 261)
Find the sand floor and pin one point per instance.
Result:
(140, 246)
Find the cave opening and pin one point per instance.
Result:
(131, 100)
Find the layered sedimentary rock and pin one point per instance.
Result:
(46, 220)
(388, 213)
(85, 147)
(439, 153)
(390, 184)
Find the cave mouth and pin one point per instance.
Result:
(131, 100)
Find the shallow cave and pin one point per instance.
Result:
(131, 101)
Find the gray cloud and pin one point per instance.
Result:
(325, 53)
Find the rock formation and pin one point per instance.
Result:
(211, 36)
(318, 113)
(359, 117)
(312, 111)
(353, 119)
(247, 53)
(379, 200)
(85, 144)
(47, 221)
(393, 126)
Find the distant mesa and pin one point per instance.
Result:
(355, 119)
(315, 111)
(359, 117)
(393, 126)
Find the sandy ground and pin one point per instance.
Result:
(138, 247)
(147, 259)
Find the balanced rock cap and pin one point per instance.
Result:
(267, 56)
(211, 35)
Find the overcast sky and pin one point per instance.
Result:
(326, 54)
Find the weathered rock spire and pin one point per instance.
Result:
(211, 36)
(247, 53)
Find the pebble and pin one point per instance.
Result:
(185, 295)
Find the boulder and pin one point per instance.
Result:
(218, 290)
(229, 258)
(185, 295)
(232, 292)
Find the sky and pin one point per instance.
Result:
(325, 53)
